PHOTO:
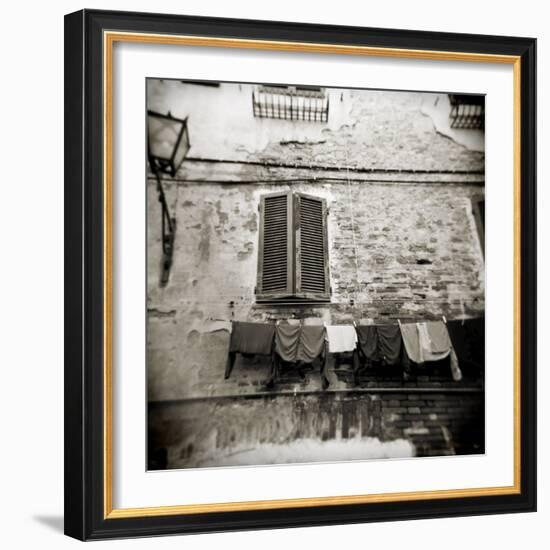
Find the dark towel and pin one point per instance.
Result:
(390, 341)
(254, 338)
(380, 342)
(287, 338)
(367, 338)
(299, 343)
(468, 338)
(311, 344)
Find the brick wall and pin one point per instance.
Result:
(223, 431)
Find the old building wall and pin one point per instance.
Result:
(396, 251)
(403, 244)
(318, 426)
(377, 129)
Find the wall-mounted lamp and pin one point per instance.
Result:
(167, 145)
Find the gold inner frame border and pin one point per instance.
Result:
(109, 40)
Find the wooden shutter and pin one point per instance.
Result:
(310, 221)
(275, 258)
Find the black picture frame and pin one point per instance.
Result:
(85, 497)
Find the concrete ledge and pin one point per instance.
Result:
(350, 391)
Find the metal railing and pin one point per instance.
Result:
(467, 112)
(309, 104)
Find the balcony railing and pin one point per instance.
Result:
(309, 104)
(467, 111)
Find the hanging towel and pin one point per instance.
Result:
(287, 338)
(311, 344)
(389, 343)
(380, 342)
(409, 333)
(367, 339)
(435, 345)
(434, 341)
(439, 336)
(253, 338)
(341, 338)
(299, 343)
(468, 338)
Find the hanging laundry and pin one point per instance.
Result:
(341, 338)
(409, 333)
(299, 343)
(311, 344)
(287, 338)
(468, 338)
(435, 345)
(249, 338)
(390, 340)
(434, 341)
(253, 338)
(455, 367)
(367, 340)
(380, 342)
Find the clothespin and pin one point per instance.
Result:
(444, 319)
(354, 324)
(399, 322)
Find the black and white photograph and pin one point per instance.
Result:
(315, 274)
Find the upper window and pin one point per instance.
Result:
(467, 111)
(293, 249)
(307, 103)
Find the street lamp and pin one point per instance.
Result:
(167, 145)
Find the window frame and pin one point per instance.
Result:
(294, 268)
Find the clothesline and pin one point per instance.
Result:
(395, 343)
(392, 321)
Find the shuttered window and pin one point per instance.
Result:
(293, 249)
(275, 262)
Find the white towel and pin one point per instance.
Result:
(426, 345)
(341, 338)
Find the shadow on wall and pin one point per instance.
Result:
(323, 427)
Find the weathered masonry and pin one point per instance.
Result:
(382, 209)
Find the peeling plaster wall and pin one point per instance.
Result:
(381, 238)
(402, 245)
(369, 128)
(226, 128)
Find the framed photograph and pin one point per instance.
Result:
(287, 303)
